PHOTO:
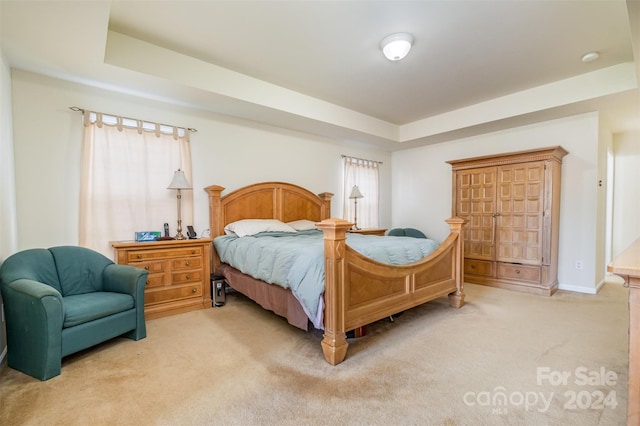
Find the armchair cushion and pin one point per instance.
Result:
(81, 308)
(22, 267)
(79, 270)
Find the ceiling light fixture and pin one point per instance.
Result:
(396, 46)
(591, 56)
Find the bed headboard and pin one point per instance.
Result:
(266, 200)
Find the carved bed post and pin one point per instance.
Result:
(456, 299)
(334, 342)
(215, 226)
(326, 204)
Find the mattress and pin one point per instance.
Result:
(295, 261)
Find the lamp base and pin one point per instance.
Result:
(179, 236)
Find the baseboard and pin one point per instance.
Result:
(580, 289)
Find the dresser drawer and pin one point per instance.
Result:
(186, 276)
(142, 255)
(519, 272)
(169, 294)
(156, 280)
(154, 267)
(478, 267)
(187, 263)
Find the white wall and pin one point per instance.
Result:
(421, 187)
(626, 204)
(8, 232)
(605, 146)
(225, 151)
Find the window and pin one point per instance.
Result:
(126, 167)
(365, 174)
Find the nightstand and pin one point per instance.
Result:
(179, 273)
(369, 231)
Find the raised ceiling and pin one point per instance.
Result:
(316, 66)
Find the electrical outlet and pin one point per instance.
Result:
(578, 264)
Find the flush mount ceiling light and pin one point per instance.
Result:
(396, 46)
(591, 56)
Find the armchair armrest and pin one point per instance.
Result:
(124, 279)
(130, 280)
(35, 314)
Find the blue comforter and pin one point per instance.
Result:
(296, 261)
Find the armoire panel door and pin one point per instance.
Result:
(519, 208)
(476, 195)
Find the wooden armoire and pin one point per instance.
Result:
(511, 203)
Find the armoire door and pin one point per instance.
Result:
(476, 201)
(519, 209)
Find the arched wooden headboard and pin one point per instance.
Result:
(266, 200)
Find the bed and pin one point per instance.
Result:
(357, 289)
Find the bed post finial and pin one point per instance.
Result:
(326, 204)
(334, 341)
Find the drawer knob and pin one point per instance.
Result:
(188, 276)
(146, 267)
(187, 263)
(139, 256)
(473, 266)
(517, 271)
(194, 290)
(193, 252)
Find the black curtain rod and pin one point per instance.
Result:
(77, 109)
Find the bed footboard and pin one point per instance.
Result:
(359, 291)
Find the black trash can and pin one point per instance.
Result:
(218, 290)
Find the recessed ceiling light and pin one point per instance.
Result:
(591, 56)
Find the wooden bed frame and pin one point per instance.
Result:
(358, 290)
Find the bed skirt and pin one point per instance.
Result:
(269, 296)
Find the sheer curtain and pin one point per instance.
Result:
(366, 175)
(126, 168)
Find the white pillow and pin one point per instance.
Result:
(254, 226)
(302, 225)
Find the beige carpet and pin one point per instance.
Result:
(241, 365)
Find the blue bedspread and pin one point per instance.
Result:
(296, 261)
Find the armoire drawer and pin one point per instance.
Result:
(519, 272)
(478, 267)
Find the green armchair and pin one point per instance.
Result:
(406, 232)
(62, 300)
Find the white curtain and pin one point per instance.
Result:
(126, 168)
(366, 175)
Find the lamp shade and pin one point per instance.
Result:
(179, 181)
(355, 192)
(396, 46)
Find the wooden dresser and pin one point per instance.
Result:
(179, 273)
(511, 203)
(627, 266)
